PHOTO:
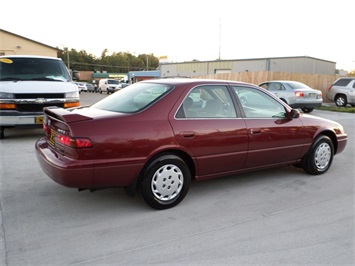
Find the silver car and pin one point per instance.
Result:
(342, 92)
(295, 94)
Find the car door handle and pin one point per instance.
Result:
(255, 131)
(188, 134)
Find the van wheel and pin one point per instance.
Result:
(165, 182)
(340, 100)
(2, 132)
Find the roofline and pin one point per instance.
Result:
(30, 40)
(262, 58)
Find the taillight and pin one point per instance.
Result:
(299, 94)
(76, 143)
(330, 87)
(46, 129)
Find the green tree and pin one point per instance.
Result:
(117, 62)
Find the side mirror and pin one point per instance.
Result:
(295, 113)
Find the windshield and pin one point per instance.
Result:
(134, 98)
(113, 81)
(21, 68)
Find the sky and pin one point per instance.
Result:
(185, 30)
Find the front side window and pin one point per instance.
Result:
(257, 104)
(207, 102)
(138, 97)
(40, 69)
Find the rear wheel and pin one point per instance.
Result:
(165, 182)
(307, 110)
(340, 100)
(319, 157)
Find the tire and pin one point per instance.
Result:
(307, 110)
(2, 132)
(340, 100)
(165, 182)
(320, 156)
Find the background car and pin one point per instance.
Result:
(90, 87)
(81, 86)
(342, 92)
(159, 135)
(295, 94)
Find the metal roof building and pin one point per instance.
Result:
(297, 64)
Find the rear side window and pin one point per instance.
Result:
(342, 82)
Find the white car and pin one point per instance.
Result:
(81, 86)
(295, 94)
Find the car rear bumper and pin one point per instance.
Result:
(85, 174)
(306, 105)
(61, 169)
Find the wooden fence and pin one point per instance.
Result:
(315, 81)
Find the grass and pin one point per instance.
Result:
(347, 109)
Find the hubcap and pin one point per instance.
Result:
(340, 101)
(167, 182)
(322, 156)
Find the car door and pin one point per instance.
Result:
(273, 137)
(215, 138)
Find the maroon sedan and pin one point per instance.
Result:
(158, 135)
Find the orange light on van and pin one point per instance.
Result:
(69, 105)
(7, 106)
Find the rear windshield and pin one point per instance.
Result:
(133, 98)
(43, 69)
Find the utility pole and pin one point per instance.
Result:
(68, 58)
(220, 34)
(147, 62)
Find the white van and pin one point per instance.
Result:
(30, 83)
(108, 85)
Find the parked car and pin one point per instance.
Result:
(121, 86)
(158, 135)
(90, 87)
(81, 86)
(342, 92)
(295, 94)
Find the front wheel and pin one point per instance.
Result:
(319, 157)
(165, 182)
